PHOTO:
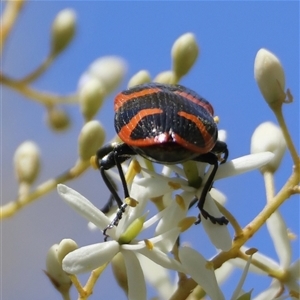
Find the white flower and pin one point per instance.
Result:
(219, 235)
(124, 236)
(195, 265)
(92, 256)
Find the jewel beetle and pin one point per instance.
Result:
(166, 124)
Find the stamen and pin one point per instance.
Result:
(216, 119)
(251, 251)
(186, 223)
(149, 245)
(174, 185)
(133, 169)
(179, 200)
(131, 202)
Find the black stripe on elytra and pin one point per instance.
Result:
(167, 88)
(168, 121)
(167, 101)
(186, 129)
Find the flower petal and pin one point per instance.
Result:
(295, 269)
(161, 259)
(84, 207)
(223, 273)
(218, 196)
(243, 164)
(271, 292)
(158, 277)
(90, 257)
(218, 234)
(166, 240)
(175, 212)
(196, 265)
(278, 232)
(136, 281)
(239, 289)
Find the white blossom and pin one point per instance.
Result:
(124, 237)
(90, 257)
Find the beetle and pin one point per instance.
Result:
(166, 124)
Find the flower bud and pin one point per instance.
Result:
(65, 247)
(27, 162)
(57, 119)
(63, 30)
(165, 77)
(184, 54)
(54, 271)
(140, 77)
(91, 138)
(222, 135)
(269, 75)
(269, 137)
(109, 70)
(91, 96)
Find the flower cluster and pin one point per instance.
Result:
(171, 221)
(147, 247)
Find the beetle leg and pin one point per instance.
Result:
(108, 157)
(221, 148)
(212, 159)
(115, 221)
(111, 188)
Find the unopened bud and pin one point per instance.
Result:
(140, 77)
(91, 138)
(27, 162)
(269, 137)
(57, 119)
(65, 247)
(222, 135)
(269, 75)
(109, 70)
(63, 30)
(91, 96)
(55, 273)
(166, 77)
(184, 54)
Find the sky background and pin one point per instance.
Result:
(229, 35)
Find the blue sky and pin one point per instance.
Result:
(229, 34)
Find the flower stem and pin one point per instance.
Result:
(13, 207)
(289, 142)
(40, 97)
(259, 220)
(8, 18)
(38, 71)
(93, 279)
